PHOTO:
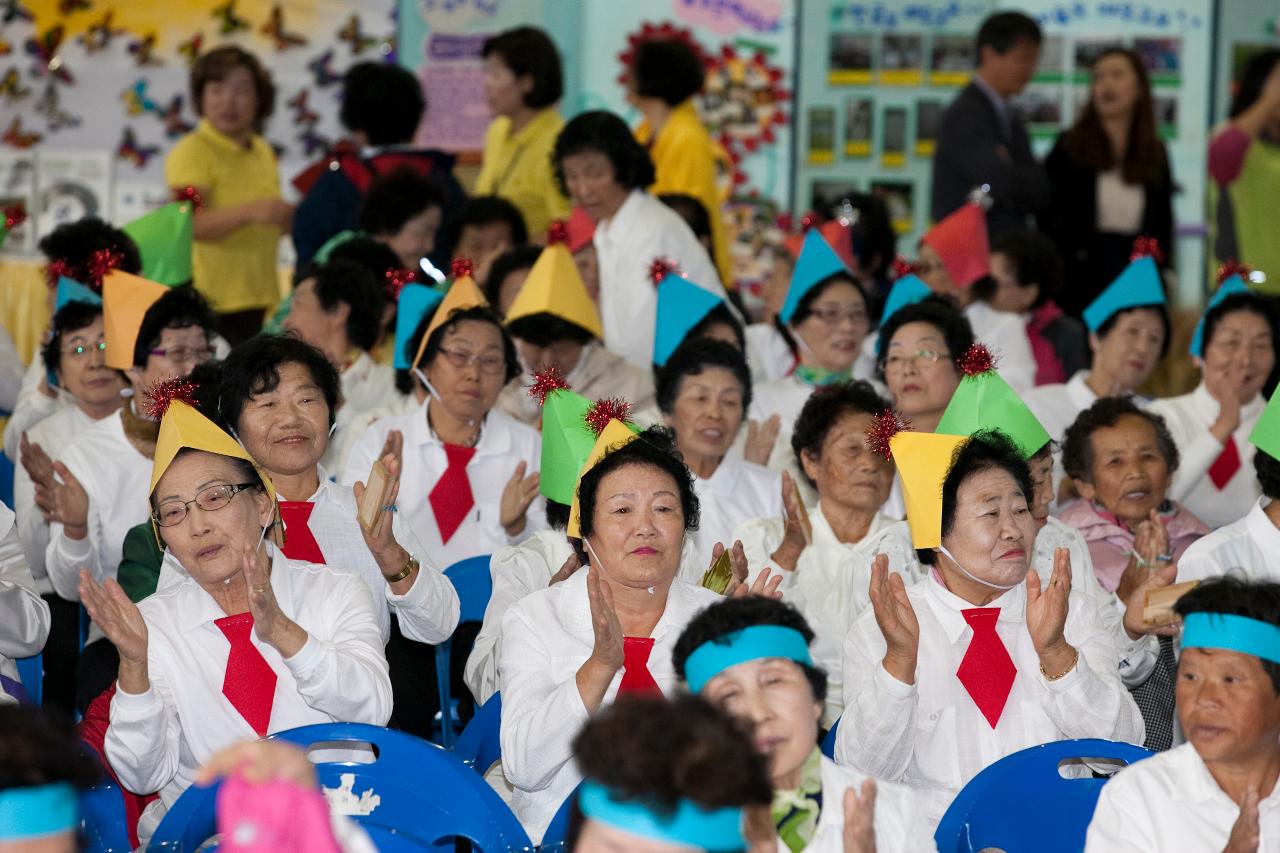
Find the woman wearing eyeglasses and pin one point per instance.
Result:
(248, 643)
(920, 344)
(470, 470)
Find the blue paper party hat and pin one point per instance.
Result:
(1230, 286)
(1139, 284)
(817, 262)
(415, 301)
(681, 306)
(70, 290)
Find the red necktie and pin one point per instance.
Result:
(1226, 465)
(986, 671)
(451, 498)
(636, 677)
(299, 542)
(250, 683)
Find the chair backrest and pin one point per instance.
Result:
(424, 794)
(102, 819)
(31, 674)
(1023, 803)
(474, 584)
(558, 829)
(480, 744)
(829, 742)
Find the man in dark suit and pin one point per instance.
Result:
(981, 140)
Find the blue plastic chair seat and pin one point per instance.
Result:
(480, 744)
(474, 584)
(1022, 804)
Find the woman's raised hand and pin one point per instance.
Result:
(896, 619)
(118, 617)
(607, 650)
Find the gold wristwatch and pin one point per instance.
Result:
(410, 566)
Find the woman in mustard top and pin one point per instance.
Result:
(523, 84)
(237, 229)
(664, 77)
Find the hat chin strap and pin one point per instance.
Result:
(595, 558)
(972, 577)
(431, 389)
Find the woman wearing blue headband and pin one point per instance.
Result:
(750, 657)
(666, 777)
(1218, 791)
(42, 769)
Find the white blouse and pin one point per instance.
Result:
(1246, 547)
(24, 617)
(768, 353)
(642, 230)
(1005, 334)
(546, 637)
(366, 386)
(504, 443)
(1171, 802)
(735, 493)
(897, 829)
(157, 740)
(599, 373)
(931, 735)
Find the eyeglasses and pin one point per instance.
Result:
(921, 358)
(831, 316)
(211, 499)
(185, 355)
(83, 350)
(490, 364)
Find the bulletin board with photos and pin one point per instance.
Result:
(879, 75)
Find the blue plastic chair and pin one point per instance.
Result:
(7, 472)
(428, 797)
(829, 742)
(31, 674)
(480, 744)
(1022, 803)
(471, 579)
(558, 830)
(102, 819)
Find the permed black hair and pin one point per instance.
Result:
(484, 210)
(1236, 596)
(41, 747)
(666, 69)
(180, 308)
(395, 198)
(1035, 260)
(382, 99)
(1077, 446)
(937, 312)
(691, 358)
(374, 256)
(984, 451)
(732, 615)
(530, 51)
(544, 329)
(348, 283)
(74, 243)
(480, 314)
(512, 260)
(719, 316)
(253, 368)
(824, 409)
(604, 133)
(72, 317)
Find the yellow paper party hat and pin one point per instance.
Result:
(615, 433)
(464, 293)
(125, 300)
(923, 460)
(555, 287)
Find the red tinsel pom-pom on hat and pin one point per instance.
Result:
(605, 410)
(660, 269)
(1146, 247)
(1234, 267)
(884, 427)
(976, 360)
(546, 381)
(160, 395)
(461, 268)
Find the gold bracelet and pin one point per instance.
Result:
(1075, 660)
(410, 565)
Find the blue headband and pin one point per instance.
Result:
(690, 824)
(758, 641)
(39, 811)
(1235, 633)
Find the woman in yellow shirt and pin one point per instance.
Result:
(237, 230)
(664, 77)
(523, 84)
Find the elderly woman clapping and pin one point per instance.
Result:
(249, 642)
(975, 661)
(570, 649)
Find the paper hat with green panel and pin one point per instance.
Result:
(681, 306)
(566, 437)
(1139, 285)
(817, 263)
(923, 460)
(607, 420)
(983, 401)
(1266, 432)
(1231, 282)
(164, 240)
(415, 301)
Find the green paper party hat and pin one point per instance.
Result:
(164, 241)
(1266, 433)
(983, 400)
(566, 438)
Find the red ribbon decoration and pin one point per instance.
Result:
(14, 215)
(191, 194)
(808, 221)
(604, 410)
(102, 262)
(56, 269)
(461, 268)
(1147, 247)
(160, 395)
(396, 279)
(977, 359)
(902, 268)
(884, 426)
(558, 232)
(546, 381)
(1233, 267)
(661, 268)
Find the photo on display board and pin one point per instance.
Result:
(950, 59)
(1086, 50)
(1166, 108)
(826, 195)
(1041, 110)
(902, 59)
(822, 135)
(893, 146)
(899, 198)
(858, 125)
(928, 117)
(1051, 67)
(849, 63)
(1162, 58)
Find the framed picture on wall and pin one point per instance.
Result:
(899, 198)
(1041, 108)
(950, 59)
(858, 122)
(893, 145)
(1166, 107)
(1051, 67)
(822, 135)
(902, 59)
(1086, 50)
(1163, 59)
(928, 117)
(849, 62)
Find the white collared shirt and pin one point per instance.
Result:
(1005, 334)
(117, 479)
(599, 373)
(52, 434)
(504, 443)
(932, 736)
(642, 230)
(546, 637)
(345, 439)
(33, 406)
(24, 617)
(736, 492)
(366, 386)
(1189, 418)
(516, 571)
(897, 829)
(1171, 802)
(768, 353)
(157, 740)
(1247, 546)
(830, 583)
(1058, 405)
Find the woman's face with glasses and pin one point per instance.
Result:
(470, 368)
(81, 370)
(836, 324)
(920, 370)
